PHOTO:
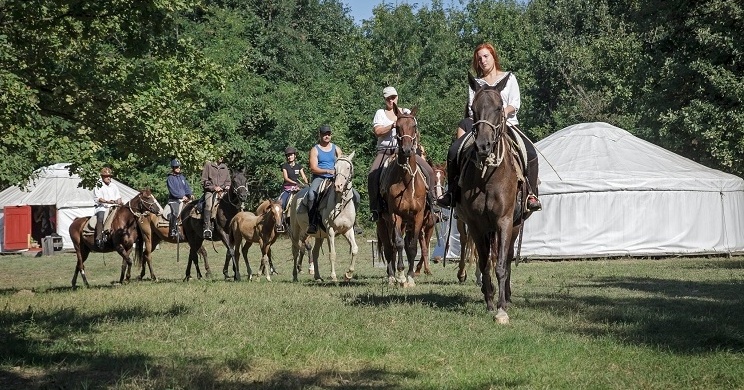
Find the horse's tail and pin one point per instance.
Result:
(139, 245)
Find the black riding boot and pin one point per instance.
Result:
(207, 222)
(173, 225)
(313, 219)
(449, 197)
(533, 204)
(99, 233)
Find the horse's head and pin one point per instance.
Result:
(344, 172)
(407, 132)
(145, 202)
(274, 212)
(488, 116)
(238, 185)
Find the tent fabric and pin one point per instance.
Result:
(607, 193)
(54, 186)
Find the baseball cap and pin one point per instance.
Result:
(389, 91)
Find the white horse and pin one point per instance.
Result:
(338, 214)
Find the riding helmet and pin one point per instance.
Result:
(290, 150)
(175, 163)
(106, 171)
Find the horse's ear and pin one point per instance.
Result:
(351, 156)
(414, 111)
(473, 84)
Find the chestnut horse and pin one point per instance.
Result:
(403, 188)
(155, 229)
(123, 235)
(257, 228)
(229, 204)
(489, 185)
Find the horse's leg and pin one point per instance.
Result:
(126, 263)
(314, 260)
(354, 249)
(411, 243)
(384, 238)
(399, 244)
(483, 246)
(265, 259)
(462, 270)
(82, 254)
(332, 252)
(273, 270)
(500, 245)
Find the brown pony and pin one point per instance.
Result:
(155, 229)
(123, 236)
(489, 185)
(404, 186)
(467, 255)
(229, 204)
(257, 228)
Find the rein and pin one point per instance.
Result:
(407, 165)
(234, 190)
(147, 210)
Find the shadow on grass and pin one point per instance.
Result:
(685, 317)
(31, 360)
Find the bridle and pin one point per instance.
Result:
(499, 148)
(347, 185)
(235, 191)
(414, 139)
(142, 201)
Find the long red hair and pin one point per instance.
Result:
(496, 60)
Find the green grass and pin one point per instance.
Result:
(601, 324)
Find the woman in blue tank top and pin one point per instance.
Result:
(322, 166)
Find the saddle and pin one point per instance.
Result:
(198, 209)
(323, 190)
(108, 218)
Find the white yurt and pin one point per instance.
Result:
(607, 193)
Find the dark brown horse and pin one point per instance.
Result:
(123, 235)
(404, 192)
(155, 229)
(258, 228)
(430, 221)
(229, 204)
(490, 183)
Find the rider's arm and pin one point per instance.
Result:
(302, 173)
(378, 128)
(313, 161)
(286, 177)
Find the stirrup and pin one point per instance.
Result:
(374, 215)
(533, 204)
(445, 200)
(207, 234)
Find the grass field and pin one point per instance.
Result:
(601, 324)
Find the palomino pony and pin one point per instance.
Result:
(257, 228)
(337, 211)
(124, 235)
(403, 188)
(229, 204)
(155, 229)
(490, 183)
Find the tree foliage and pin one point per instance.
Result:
(133, 84)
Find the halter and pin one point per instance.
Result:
(238, 204)
(499, 147)
(414, 138)
(351, 173)
(147, 210)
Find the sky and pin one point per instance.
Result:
(362, 9)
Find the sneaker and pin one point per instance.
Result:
(280, 228)
(445, 200)
(357, 230)
(533, 204)
(207, 234)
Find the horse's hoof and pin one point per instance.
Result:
(409, 282)
(348, 276)
(188, 279)
(501, 317)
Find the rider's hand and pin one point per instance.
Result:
(217, 189)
